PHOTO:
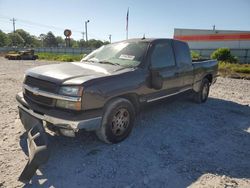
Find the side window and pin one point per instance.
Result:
(182, 53)
(162, 56)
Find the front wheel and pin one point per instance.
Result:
(202, 95)
(117, 122)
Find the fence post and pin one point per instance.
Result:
(246, 55)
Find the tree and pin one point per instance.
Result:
(94, 43)
(35, 42)
(41, 38)
(60, 41)
(82, 43)
(106, 42)
(26, 37)
(50, 40)
(74, 43)
(4, 39)
(16, 39)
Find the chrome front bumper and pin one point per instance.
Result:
(87, 124)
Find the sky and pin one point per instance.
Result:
(154, 18)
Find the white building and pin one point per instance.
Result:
(206, 41)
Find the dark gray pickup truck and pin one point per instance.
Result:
(104, 91)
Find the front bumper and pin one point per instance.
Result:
(38, 151)
(89, 124)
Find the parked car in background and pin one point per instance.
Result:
(22, 55)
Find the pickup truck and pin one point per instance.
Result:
(104, 92)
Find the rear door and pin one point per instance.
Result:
(184, 63)
(162, 59)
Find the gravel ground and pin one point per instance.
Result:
(173, 144)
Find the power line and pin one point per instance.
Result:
(31, 23)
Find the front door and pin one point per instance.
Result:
(163, 61)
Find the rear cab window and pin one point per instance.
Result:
(182, 53)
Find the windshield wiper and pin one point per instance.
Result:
(108, 62)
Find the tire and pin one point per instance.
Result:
(202, 95)
(117, 121)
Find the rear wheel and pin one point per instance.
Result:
(117, 122)
(202, 95)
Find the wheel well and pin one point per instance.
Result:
(209, 77)
(133, 98)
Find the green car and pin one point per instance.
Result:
(22, 55)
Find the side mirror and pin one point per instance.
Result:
(156, 79)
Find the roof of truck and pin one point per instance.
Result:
(146, 39)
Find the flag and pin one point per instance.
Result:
(127, 20)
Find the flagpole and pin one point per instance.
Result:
(127, 19)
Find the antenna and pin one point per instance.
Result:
(143, 37)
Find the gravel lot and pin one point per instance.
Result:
(173, 144)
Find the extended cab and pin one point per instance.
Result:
(104, 91)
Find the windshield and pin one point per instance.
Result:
(126, 54)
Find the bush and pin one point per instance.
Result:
(245, 70)
(229, 69)
(223, 54)
(60, 57)
(195, 55)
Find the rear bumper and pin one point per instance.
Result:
(27, 114)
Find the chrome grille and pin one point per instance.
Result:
(39, 99)
(41, 84)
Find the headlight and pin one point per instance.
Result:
(71, 90)
(68, 104)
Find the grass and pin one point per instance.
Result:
(234, 70)
(59, 57)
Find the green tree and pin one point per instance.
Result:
(16, 39)
(41, 38)
(4, 39)
(106, 42)
(36, 42)
(94, 43)
(82, 43)
(74, 43)
(50, 40)
(26, 37)
(60, 41)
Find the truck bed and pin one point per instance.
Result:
(204, 67)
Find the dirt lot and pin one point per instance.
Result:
(174, 144)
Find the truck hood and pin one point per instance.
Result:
(74, 72)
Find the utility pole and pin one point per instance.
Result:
(14, 24)
(86, 29)
(110, 38)
(83, 33)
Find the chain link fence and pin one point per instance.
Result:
(51, 50)
(243, 55)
